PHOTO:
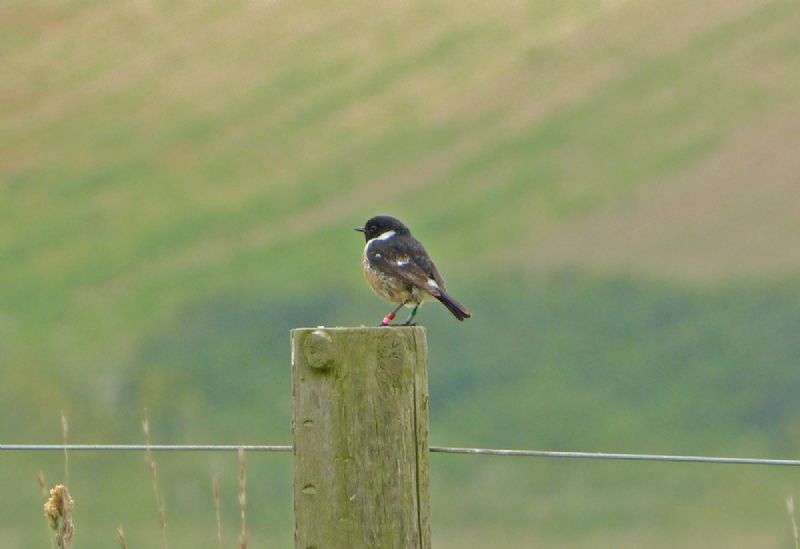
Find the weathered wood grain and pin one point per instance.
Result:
(361, 438)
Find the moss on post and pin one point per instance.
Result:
(361, 476)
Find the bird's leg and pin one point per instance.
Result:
(411, 317)
(388, 318)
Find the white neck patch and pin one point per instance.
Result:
(384, 236)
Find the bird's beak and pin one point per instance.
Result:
(360, 229)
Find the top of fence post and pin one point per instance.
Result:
(361, 437)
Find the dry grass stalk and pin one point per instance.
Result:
(58, 510)
(790, 508)
(217, 507)
(43, 490)
(151, 464)
(65, 437)
(121, 536)
(42, 484)
(243, 498)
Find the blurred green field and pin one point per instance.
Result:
(611, 187)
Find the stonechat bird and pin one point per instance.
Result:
(399, 270)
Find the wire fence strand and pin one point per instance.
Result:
(616, 456)
(433, 449)
(144, 447)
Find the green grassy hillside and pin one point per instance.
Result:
(608, 185)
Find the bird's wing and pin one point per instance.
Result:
(424, 262)
(415, 269)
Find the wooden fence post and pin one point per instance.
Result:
(361, 461)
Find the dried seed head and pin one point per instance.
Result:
(58, 506)
(121, 537)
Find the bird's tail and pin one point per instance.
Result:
(454, 306)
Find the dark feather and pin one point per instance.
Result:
(403, 256)
(453, 306)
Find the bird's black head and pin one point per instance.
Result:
(381, 224)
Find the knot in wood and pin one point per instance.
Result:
(319, 350)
